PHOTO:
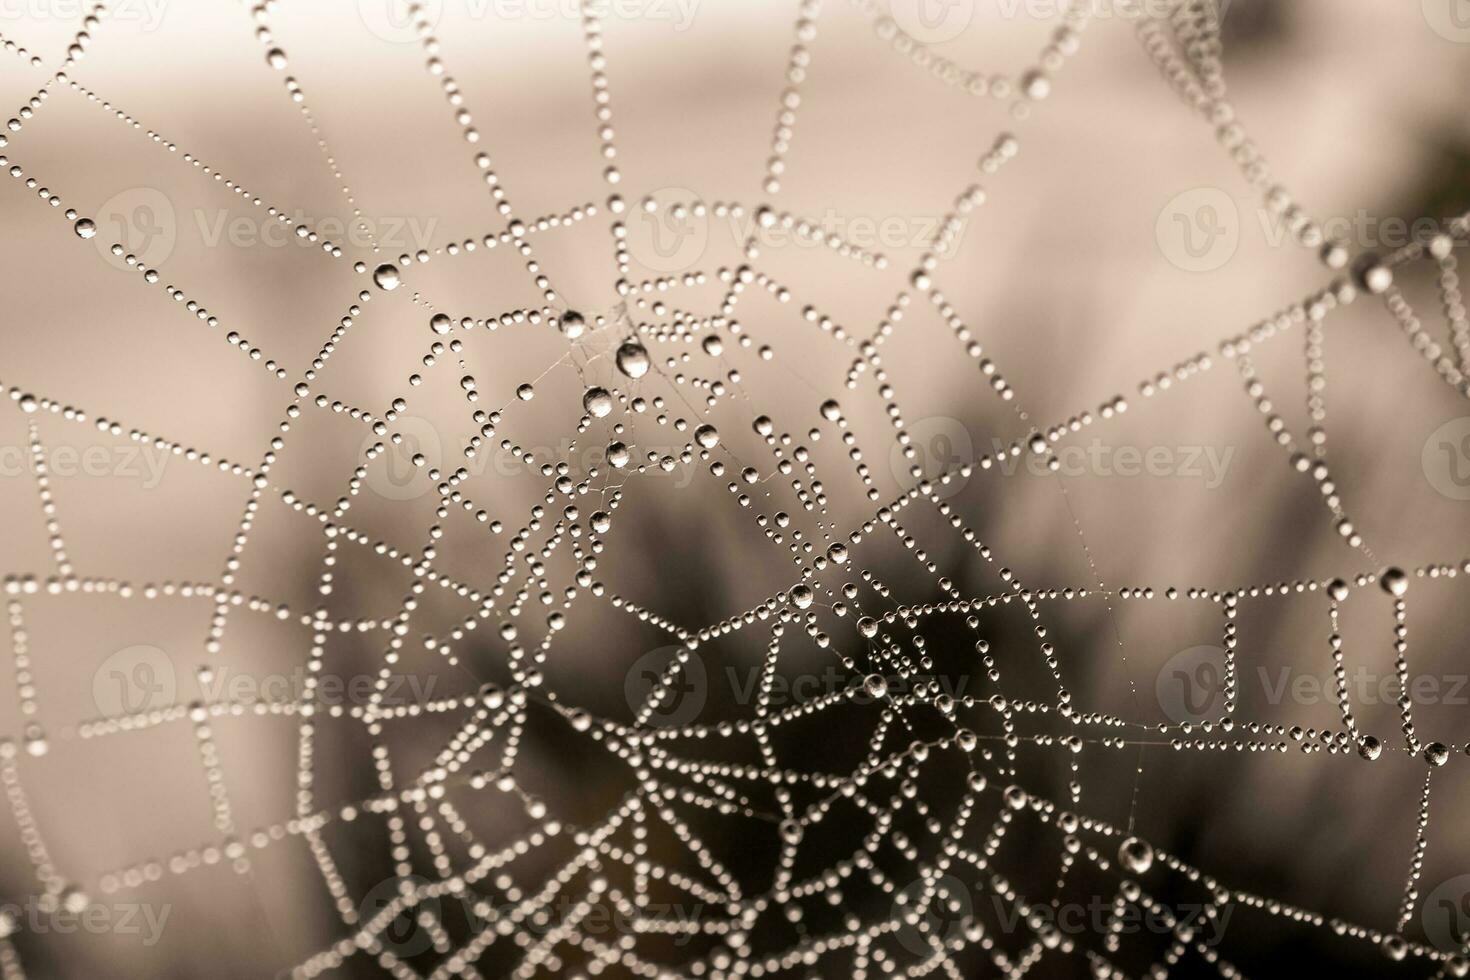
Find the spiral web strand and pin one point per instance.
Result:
(607, 867)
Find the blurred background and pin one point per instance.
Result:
(1119, 241)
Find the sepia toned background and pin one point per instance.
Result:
(1119, 242)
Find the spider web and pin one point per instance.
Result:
(932, 775)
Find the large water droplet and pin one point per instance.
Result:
(386, 276)
(572, 324)
(597, 402)
(1370, 748)
(1394, 581)
(632, 358)
(1135, 855)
